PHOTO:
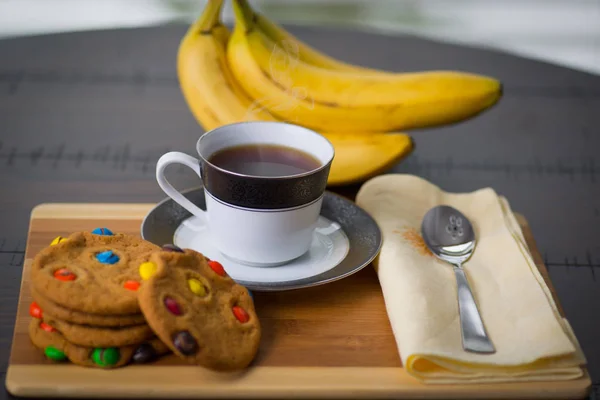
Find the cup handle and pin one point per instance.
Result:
(176, 157)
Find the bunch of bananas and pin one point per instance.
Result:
(262, 72)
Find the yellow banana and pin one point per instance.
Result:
(352, 89)
(215, 99)
(302, 50)
(360, 157)
(204, 76)
(268, 74)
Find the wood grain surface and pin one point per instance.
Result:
(322, 342)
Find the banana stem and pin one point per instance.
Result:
(244, 14)
(245, 7)
(211, 17)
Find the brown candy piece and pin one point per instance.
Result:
(143, 354)
(185, 343)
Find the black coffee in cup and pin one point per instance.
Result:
(264, 160)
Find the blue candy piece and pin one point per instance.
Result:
(250, 293)
(102, 231)
(107, 257)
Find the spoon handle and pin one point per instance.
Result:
(474, 336)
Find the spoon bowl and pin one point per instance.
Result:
(449, 234)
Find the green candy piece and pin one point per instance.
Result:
(54, 354)
(105, 357)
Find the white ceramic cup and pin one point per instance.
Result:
(256, 220)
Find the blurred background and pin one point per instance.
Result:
(564, 32)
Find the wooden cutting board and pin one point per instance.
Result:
(323, 342)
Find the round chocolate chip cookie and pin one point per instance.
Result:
(197, 310)
(57, 348)
(92, 272)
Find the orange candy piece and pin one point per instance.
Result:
(217, 267)
(240, 314)
(35, 311)
(47, 327)
(131, 285)
(64, 274)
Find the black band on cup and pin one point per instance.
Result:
(264, 193)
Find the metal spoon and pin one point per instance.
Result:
(449, 235)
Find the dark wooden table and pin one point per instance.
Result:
(85, 116)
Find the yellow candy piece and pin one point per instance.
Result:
(197, 287)
(57, 240)
(147, 269)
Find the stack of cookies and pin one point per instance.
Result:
(107, 300)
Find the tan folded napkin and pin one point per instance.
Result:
(532, 341)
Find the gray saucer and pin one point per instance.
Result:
(361, 235)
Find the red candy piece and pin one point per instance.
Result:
(35, 311)
(64, 274)
(47, 327)
(131, 285)
(241, 314)
(172, 306)
(217, 267)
